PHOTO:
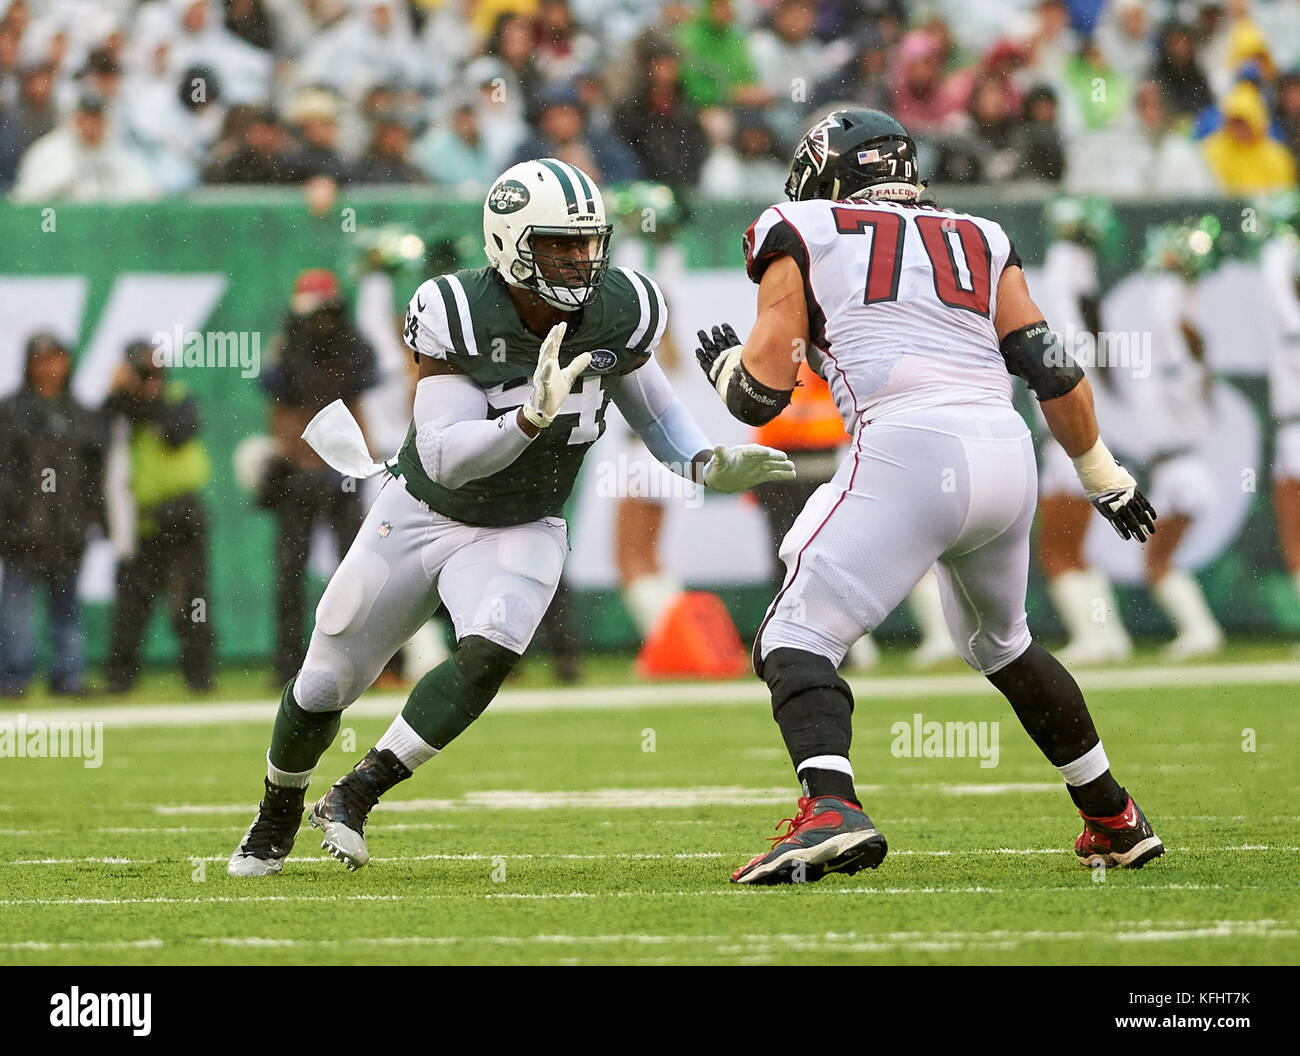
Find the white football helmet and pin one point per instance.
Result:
(549, 198)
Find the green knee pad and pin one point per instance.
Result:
(455, 693)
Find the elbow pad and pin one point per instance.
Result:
(1035, 353)
(750, 400)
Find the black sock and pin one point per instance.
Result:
(1047, 701)
(828, 783)
(1102, 797)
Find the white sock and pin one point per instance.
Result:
(838, 763)
(1111, 626)
(927, 607)
(647, 596)
(284, 779)
(1179, 595)
(1088, 767)
(406, 744)
(1073, 599)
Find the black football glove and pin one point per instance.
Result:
(1128, 511)
(711, 349)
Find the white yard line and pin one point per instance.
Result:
(548, 896)
(673, 694)
(751, 945)
(616, 857)
(710, 796)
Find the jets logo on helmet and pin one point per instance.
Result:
(548, 202)
(508, 196)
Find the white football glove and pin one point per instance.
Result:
(733, 469)
(551, 382)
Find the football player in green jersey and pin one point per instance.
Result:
(518, 362)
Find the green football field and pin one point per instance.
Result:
(600, 824)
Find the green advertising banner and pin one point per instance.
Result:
(222, 267)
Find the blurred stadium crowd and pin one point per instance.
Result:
(122, 99)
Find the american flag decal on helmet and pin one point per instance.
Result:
(867, 156)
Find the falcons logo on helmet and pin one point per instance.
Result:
(816, 144)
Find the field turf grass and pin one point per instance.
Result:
(551, 835)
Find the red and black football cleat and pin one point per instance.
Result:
(828, 835)
(1124, 841)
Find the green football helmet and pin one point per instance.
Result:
(1190, 249)
(1087, 220)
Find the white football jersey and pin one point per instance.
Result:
(1171, 401)
(1069, 275)
(900, 301)
(1279, 266)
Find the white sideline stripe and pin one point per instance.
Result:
(624, 857)
(728, 892)
(672, 694)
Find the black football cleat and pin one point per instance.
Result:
(269, 839)
(341, 813)
(1125, 841)
(828, 835)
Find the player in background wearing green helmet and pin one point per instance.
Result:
(1172, 405)
(1279, 264)
(1069, 294)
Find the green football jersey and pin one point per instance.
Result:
(468, 319)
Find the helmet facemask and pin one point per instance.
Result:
(567, 282)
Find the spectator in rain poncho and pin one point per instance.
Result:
(1157, 159)
(175, 125)
(82, 161)
(450, 35)
(1241, 154)
(788, 60)
(196, 36)
(455, 154)
(373, 45)
(564, 49)
(500, 111)
(922, 100)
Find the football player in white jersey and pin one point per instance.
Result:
(1172, 402)
(916, 317)
(1068, 294)
(1280, 265)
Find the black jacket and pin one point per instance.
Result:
(51, 480)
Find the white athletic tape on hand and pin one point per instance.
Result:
(1099, 473)
(730, 361)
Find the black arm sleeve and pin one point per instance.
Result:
(751, 401)
(1035, 353)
